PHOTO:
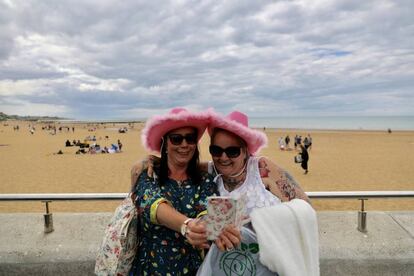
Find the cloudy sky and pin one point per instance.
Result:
(95, 59)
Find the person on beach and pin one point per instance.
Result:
(299, 142)
(305, 158)
(281, 143)
(307, 142)
(67, 143)
(239, 173)
(275, 179)
(233, 146)
(172, 197)
(287, 141)
(295, 140)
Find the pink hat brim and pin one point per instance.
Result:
(254, 139)
(159, 125)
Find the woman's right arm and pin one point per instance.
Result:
(196, 234)
(156, 209)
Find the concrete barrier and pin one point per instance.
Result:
(386, 249)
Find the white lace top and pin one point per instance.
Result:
(253, 187)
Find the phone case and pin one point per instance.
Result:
(222, 211)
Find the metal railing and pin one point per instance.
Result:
(67, 196)
(117, 196)
(360, 195)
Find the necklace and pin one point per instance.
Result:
(179, 178)
(243, 170)
(231, 183)
(181, 181)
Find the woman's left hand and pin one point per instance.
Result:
(229, 238)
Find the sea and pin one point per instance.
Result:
(336, 122)
(309, 122)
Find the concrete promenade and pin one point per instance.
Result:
(386, 249)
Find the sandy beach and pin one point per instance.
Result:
(339, 161)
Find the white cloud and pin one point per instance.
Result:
(36, 87)
(110, 59)
(23, 108)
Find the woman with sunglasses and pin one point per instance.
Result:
(233, 146)
(170, 199)
(239, 173)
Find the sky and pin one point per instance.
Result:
(96, 59)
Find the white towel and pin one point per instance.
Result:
(288, 238)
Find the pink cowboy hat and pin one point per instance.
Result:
(159, 125)
(237, 123)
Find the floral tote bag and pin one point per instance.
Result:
(120, 241)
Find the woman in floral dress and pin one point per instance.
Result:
(171, 238)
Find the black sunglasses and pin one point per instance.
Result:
(231, 152)
(177, 139)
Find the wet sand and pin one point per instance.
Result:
(339, 161)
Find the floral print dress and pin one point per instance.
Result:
(163, 251)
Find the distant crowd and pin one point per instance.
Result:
(302, 146)
(94, 148)
(284, 142)
(53, 129)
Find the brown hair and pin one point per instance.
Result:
(193, 168)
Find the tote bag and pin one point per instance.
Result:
(120, 241)
(243, 260)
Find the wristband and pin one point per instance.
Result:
(184, 226)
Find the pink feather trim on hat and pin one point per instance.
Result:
(159, 125)
(237, 123)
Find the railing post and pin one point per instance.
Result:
(362, 217)
(48, 218)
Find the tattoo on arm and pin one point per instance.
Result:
(298, 190)
(263, 169)
(286, 187)
(291, 179)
